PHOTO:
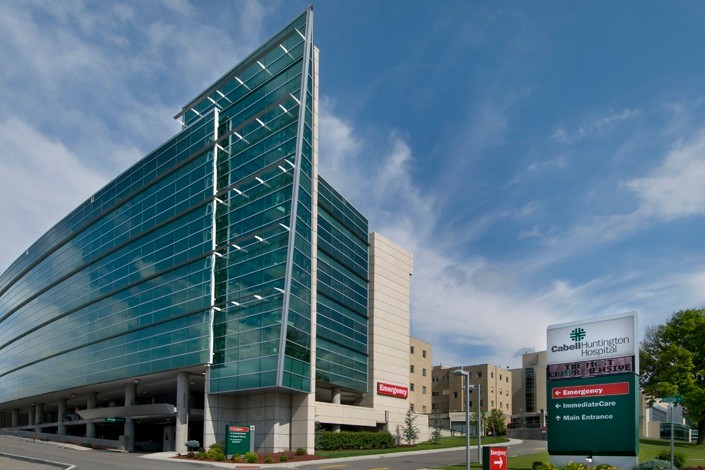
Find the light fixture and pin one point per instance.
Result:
(237, 304)
(136, 381)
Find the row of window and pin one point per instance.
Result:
(412, 368)
(423, 351)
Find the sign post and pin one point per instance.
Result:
(592, 387)
(674, 401)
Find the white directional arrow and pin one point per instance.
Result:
(558, 418)
(557, 393)
(558, 405)
(499, 462)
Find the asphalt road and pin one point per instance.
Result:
(108, 460)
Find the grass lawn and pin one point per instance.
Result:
(648, 449)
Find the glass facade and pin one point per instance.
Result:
(341, 334)
(201, 253)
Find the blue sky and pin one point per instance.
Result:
(544, 161)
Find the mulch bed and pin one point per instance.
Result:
(275, 458)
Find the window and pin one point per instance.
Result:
(455, 394)
(411, 349)
(423, 390)
(492, 375)
(423, 409)
(423, 372)
(500, 376)
(423, 353)
(411, 368)
(411, 406)
(411, 387)
(479, 375)
(470, 405)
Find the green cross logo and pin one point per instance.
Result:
(577, 334)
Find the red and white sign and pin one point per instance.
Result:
(498, 458)
(587, 391)
(392, 390)
(238, 429)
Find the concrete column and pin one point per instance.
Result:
(62, 417)
(182, 395)
(39, 413)
(32, 412)
(15, 417)
(336, 401)
(91, 403)
(129, 428)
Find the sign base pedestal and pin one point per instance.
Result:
(617, 461)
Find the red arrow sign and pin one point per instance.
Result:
(498, 458)
(597, 390)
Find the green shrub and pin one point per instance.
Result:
(328, 440)
(216, 452)
(300, 451)
(605, 466)
(655, 464)
(200, 455)
(268, 459)
(678, 457)
(192, 445)
(251, 457)
(283, 458)
(538, 465)
(574, 466)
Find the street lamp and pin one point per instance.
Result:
(479, 422)
(466, 374)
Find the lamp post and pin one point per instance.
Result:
(479, 423)
(461, 372)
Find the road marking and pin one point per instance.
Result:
(333, 466)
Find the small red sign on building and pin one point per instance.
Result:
(497, 458)
(587, 391)
(392, 390)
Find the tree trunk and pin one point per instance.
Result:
(701, 431)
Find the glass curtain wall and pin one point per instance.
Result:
(263, 168)
(121, 286)
(342, 317)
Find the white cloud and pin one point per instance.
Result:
(675, 188)
(593, 126)
(34, 199)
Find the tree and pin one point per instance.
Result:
(672, 358)
(495, 422)
(473, 421)
(410, 431)
(437, 424)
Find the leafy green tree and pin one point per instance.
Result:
(495, 422)
(437, 425)
(473, 421)
(410, 431)
(672, 359)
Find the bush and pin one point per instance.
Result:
(538, 465)
(678, 457)
(284, 457)
(574, 466)
(268, 459)
(251, 457)
(605, 466)
(192, 445)
(216, 452)
(328, 440)
(300, 451)
(200, 455)
(655, 464)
